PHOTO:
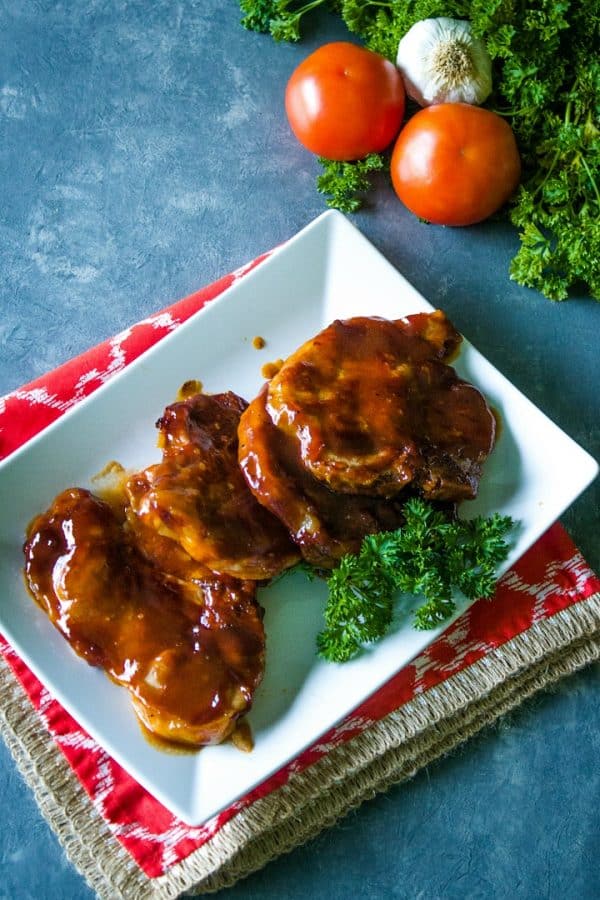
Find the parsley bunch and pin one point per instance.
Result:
(280, 18)
(344, 183)
(547, 85)
(431, 556)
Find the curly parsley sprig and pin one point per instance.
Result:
(430, 556)
(345, 183)
(281, 18)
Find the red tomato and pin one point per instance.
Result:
(344, 102)
(455, 164)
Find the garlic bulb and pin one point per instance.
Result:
(441, 61)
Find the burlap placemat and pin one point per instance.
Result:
(392, 750)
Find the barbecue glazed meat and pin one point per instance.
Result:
(373, 407)
(190, 650)
(356, 420)
(197, 495)
(325, 525)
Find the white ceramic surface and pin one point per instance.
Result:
(327, 271)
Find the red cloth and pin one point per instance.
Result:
(550, 577)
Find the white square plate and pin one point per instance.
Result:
(327, 271)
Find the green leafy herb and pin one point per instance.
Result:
(281, 18)
(547, 85)
(431, 556)
(344, 182)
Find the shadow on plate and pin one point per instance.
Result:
(293, 617)
(503, 471)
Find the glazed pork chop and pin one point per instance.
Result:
(189, 646)
(360, 417)
(323, 524)
(374, 406)
(197, 495)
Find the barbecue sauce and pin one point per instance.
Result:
(190, 653)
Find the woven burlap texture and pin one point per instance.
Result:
(390, 751)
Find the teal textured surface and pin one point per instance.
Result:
(144, 152)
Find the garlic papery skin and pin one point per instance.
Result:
(441, 61)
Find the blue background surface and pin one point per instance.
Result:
(144, 152)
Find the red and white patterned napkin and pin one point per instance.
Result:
(551, 577)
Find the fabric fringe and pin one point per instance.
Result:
(392, 750)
